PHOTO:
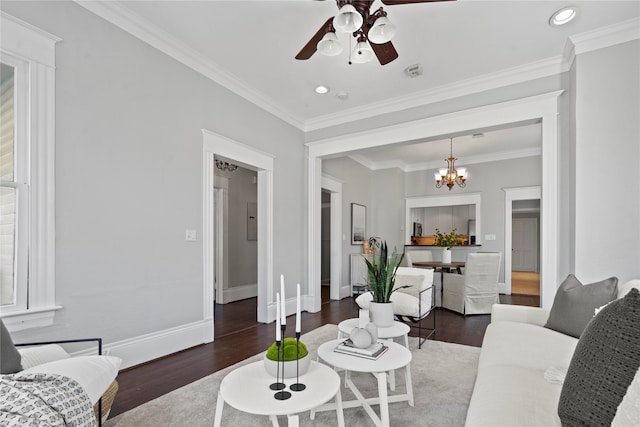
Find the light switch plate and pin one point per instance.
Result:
(190, 235)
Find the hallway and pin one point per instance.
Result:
(525, 283)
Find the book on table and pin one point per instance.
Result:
(372, 352)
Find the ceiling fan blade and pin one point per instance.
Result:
(394, 2)
(310, 48)
(385, 52)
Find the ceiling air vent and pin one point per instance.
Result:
(414, 70)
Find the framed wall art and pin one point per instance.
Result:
(358, 223)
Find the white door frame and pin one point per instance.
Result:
(334, 186)
(543, 108)
(510, 195)
(216, 144)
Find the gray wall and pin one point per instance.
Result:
(388, 206)
(129, 178)
(607, 163)
(243, 253)
(356, 188)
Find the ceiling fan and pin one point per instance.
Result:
(372, 30)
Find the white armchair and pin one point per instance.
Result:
(412, 304)
(477, 290)
(96, 374)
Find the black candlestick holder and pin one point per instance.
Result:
(278, 385)
(298, 386)
(281, 395)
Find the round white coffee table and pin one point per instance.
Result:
(396, 357)
(247, 389)
(397, 330)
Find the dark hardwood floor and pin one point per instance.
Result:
(238, 336)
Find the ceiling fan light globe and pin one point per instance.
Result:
(382, 31)
(348, 19)
(362, 53)
(329, 45)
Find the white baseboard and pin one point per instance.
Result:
(141, 349)
(502, 288)
(345, 291)
(240, 292)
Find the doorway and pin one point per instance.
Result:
(540, 108)
(218, 146)
(525, 247)
(325, 247)
(236, 258)
(331, 191)
(522, 205)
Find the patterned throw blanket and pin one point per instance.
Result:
(41, 400)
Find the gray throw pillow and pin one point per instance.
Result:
(574, 304)
(603, 365)
(10, 360)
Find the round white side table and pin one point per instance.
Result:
(247, 389)
(396, 357)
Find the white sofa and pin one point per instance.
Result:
(517, 353)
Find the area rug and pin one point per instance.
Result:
(443, 376)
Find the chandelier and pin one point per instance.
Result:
(449, 176)
(226, 166)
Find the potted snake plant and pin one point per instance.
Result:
(382, 278)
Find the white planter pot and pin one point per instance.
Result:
(446, 256)
(289, 367)
(381, 314)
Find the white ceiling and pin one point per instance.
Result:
(463, 45)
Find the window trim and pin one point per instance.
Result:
(36, 48)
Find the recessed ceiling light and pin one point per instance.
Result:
(322, 89)
(563, 16)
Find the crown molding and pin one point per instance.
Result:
(137, 26)
(534, 70)
(416, 167)
(24, 40)
(371, 165)
(606, 36)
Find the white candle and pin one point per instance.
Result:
(283, 310)
(278, 332)
(298, 309)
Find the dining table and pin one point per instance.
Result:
(442, 266)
